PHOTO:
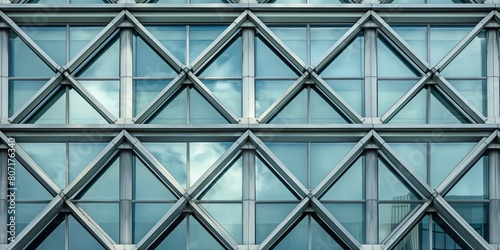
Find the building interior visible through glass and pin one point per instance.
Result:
(249, 124)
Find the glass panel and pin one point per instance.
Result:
(268, 186)
(202, 240)
(324, 157)
(87, 1)
(267, 92)
(389, 217)
(414, 112)
(321, 239)
(351, 91)
(26, 212)
(51, 157)
(104, 64)
(80, 155)
(295, 112)
(287, 1)
(323, 38)
(476, 215)
(443, 39)
(53, 112)
(51, 39)
(228, 92)
(351, 185)
(268, 216)
(147, 186)
(349, 63)
(442, 111)
(105, 185)
(47, 1)
(173, 38)
(55, 240)
(229, 186)
(297, 238)
(473, 185)
(202, 36)
(265, 57)
(177, 239)
(28, 188)
(208, 1)
(203, 155)
(201, 111)
(294, 38)
(20, 56)
(441, 238)
(390, 186)
(147, 63)
(228, 63)
(391, 63)
(80, 111)
(474, 91)
(173, 112)
(229, 217)
(414, 156)
(294, 156)
(351, 216)
(415, 36)
(106, 216)
(391, 91)
(144, 91)
(442, 166)
(20, 91)
(321, 111)
(107, 93)
(146, 215)
(417, 238)
(80, 238)
(471, 62)
(173, 158)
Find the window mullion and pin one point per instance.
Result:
(249, 194)
(126, 190)
(371, 168)
(494, 195)
(248, 91)
(493, 75)
(126, 68)
(4, 73)
(370, 63)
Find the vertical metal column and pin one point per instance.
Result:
(249, 196)
(370, 33)
(492, 73)
(371, 168)
(248, 95)
(494, 189)
(4, 73)
(126, 43)
(126, 182)
(3, 194)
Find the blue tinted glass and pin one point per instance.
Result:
(390, 91)
(414, 112)
(106, 185)
(417, 238)
(202, 240)
(173, 157)
(106, 215)
(390, 186)
(350, 61)
(414, 156)
(415, 36)
(442, 166)
(321, 111)
(294, 38)
(79, 36)
(442, 239)
(173, 39)
(23, 62)
(324, 157)
(229, 217)
(229, 186)
(265, 57)
(268, 186)
(147, 186)
(321, 239)
(297, 238)
(202, 36)
(51, 39)
(471, 62)
(107, 93)
(144, 91)
(323, 38)
(228, 62)
(53, 112)
(443, 39)
(104, 64)
(389, 217)
(80, 111)
(80, 238)
(146, 215)
(80, 155)
(391, 63)
(351, 91)
(474, 91)
(28, 188)
(177, 239)
(295, 112)
(350, 185)
(20, 91)
(174, 111)
(294, 156)
(147, 63)
(229, 93)
(267, 92)
(476, 215)
(473, 185)
(351, 216)
(201, 111)
(268, 216)
(88, 1)
(55, 240)
(26, 212)
(443, 112)
(202, 155)
(51, 157)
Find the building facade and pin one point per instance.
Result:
(250, 124)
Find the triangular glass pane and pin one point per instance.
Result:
(267, 92)
(293, 155)
(443, 39)
(415, 36)
(473, 185)
(321, 239)
(470, 62)
(20, 91)
(202, 36)
(229, 92)
(147, 63)
(229, 216)
(104, 64)
(391, 63)
(55, 240)
(145, 216)
(107, 93)
(442, 166)
(390, 215)
(147, 186)
(106, 216)
(20, 56)
(28, 188)
(173, 38)
(269, 63)
(53, 111)
(443, 112)
(51, 39)
(414, 112)
(177, 238)
(351, 216)
(228, 63)
(268, 216)
(323, 38)
(351, 91)
(295, 112)
(80, 155)
(476, 214)
(26, 212)
(297, 238)
(389, 91)
(321, 111)
(105, 185)
(201, 111)
(79, 237)
(441, 239)
(51, 158)
(268, 186)
(474, 91)
(80, 36)
(343, 188)
(229, 186)
(390, 186)
(324, 157)
(414, 156)
(144, 91)
(174, 111)
(294, 38)
(350, 61)
(173, 157)
(202, 155)
(417, 238)
(80, 111)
